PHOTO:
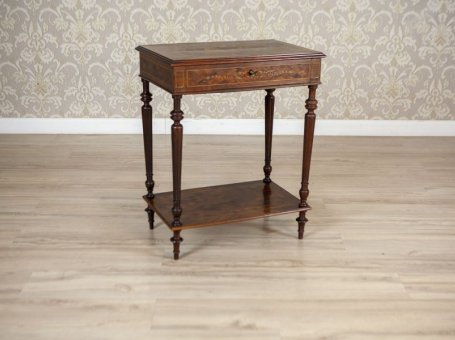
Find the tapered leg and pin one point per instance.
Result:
(269, 108)
(301, 221)
(177, 136)
(151, 217)
(310, 118)
(147, 127)
(176, 240)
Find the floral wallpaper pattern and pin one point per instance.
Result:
(76, 58)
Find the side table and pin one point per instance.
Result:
(197, 68)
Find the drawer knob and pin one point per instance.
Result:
(252, 73)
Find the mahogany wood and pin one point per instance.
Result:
(224, 204)
(191, 68)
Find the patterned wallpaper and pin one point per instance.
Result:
(76, 58)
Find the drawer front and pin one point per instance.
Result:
(249, 75)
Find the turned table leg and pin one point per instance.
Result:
(310, 117)
(176, 240)
(269, 108)
(147, 127)
(177, 137)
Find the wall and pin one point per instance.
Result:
(71, 58)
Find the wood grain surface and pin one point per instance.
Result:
(227, 203)
(226, 51)
(78, 261)
(209, 67)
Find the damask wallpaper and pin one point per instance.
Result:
(76, 58)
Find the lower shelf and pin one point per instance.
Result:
(202, 207)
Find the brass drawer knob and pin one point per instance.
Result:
(252, 73)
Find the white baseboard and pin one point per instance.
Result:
(324, 127)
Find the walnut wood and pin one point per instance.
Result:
(156, 71)
(301, 223)
(151, 217)
(249, 73)
(191, 68)
(147, 127)
(228, 66)
(227, 203)
(176, 240)
(228, 51)
(219, 78)
(310, 118)
(177, 137)
(269, 108)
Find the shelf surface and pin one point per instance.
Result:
(202, 207)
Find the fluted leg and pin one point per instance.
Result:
(176, 240)
(310, 118)
(177, 136)
(147, 127)
(269, 108)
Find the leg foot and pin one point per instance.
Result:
(151, 216)
(301, 220)
(176, 239)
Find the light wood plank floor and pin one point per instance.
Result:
(77, 260)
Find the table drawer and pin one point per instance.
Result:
(248, 75)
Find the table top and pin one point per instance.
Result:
(222, 51)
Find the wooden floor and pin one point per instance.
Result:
(77, 260)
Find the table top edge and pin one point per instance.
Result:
(310, 54)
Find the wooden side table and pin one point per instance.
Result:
(192, 68)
